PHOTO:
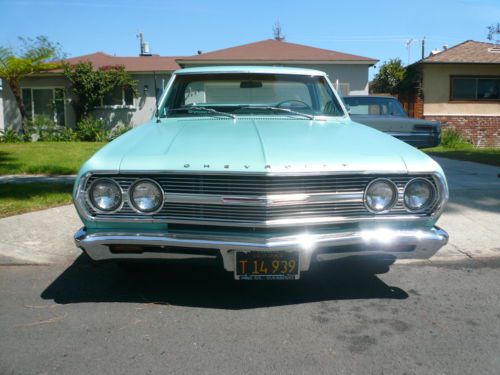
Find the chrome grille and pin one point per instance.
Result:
(258, 186)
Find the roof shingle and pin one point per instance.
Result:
(153, 63)
(469, 51)
(274, 50)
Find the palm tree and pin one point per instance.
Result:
(36, 55)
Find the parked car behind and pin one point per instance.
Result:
(386, 114)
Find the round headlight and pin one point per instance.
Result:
(380, 195)
(105, 195)
(146, 196)
(419, 193)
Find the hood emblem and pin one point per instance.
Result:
(268, 166)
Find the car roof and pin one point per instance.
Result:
(250, 69)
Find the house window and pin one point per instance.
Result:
(120, 96)
(475, 88)
(45, 101)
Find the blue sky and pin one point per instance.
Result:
(377, 29)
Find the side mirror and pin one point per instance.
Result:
(347, 108)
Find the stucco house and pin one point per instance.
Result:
(461, 89)
(49, 93)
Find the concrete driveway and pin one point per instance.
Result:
(472, 219)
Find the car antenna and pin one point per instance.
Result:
(156, 99)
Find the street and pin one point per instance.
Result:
(86, 319)
(62, 314)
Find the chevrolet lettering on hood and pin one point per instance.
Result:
(262, 168)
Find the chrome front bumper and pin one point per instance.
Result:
(399, 243)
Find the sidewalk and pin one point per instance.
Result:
(33, 178)
(472, 219)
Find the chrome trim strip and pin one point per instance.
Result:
(287, 173)
(264, 200)
(414, 134)
(426, 241)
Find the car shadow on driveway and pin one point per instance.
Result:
(208, 286)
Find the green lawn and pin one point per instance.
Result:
(469, 153)
(20, 198)
(45, 157)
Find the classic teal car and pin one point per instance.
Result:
(262, 168)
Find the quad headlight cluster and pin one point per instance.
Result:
(145, 196)
(381, 195)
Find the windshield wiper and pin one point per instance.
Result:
(203, 109)
(270, 108)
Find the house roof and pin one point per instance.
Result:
(153, 63)
(274, 50)
(269, 50)
(469, 51)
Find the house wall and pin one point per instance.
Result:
(479, 122)
(436, 88)
(144, 105)
(140, 112)
(356, 75)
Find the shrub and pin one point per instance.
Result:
(91, 130)
(10, 136)
(43, 129)
(68, 135)
(450, 138)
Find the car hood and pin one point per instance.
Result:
(252, 144)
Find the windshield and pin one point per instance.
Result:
(248, 94)
(374, 106)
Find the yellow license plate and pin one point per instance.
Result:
(267, 265)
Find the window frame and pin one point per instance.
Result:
(476, 78)
(53, 88)
(118, 106)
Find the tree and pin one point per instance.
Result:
(90, 86)
(389, 77)
(34, 55)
